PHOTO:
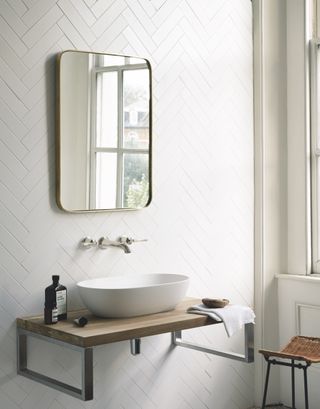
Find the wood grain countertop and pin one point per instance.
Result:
(101, 331)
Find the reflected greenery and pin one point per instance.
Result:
(135, 183)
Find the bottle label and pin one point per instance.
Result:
(61, 302)
(55, 315)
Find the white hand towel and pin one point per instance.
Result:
(232, 316)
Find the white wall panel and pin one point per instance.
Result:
(299, 313)
(200, 221)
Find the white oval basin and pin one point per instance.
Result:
(130, 296)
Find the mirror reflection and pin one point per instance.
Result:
(104, 138)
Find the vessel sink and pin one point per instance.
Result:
(130, 296)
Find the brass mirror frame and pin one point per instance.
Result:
(58, 136)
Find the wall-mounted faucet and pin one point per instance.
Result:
(122, 242)
(105, 242)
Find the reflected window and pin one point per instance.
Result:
(120, 141)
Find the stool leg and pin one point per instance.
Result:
(293, 385)
(305, 387)
(266, 386)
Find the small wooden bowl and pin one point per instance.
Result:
(215, 302)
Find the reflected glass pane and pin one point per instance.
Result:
(318, 201)
(318, 100)
(136, 109)
(135, 180)
(107, 109)
(133, 60)
(106, 180)
(112, 60)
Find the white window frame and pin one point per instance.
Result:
(315, 151)
(297, 198)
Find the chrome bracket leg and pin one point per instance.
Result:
(248, 355)
(135, 345)
(86, 391)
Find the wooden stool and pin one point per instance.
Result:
(299, 348)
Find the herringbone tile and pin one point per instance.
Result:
(200, 221)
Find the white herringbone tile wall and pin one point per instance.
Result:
(200, 221)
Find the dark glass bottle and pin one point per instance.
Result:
(55, 306)
(61, 298)
(50, 306)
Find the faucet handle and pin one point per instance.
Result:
(130, 240)
(87, 243)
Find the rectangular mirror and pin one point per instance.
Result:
(103, 132)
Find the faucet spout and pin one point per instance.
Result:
(124, 247)
(123, 242)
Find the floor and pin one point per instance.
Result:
(280, 406)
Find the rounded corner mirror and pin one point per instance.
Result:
(104, 129)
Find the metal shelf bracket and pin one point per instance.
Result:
(86, 391)
(247, 357)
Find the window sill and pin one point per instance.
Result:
(314, 278)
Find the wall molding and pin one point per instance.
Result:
(258, 75)
(298, 318)
(270, 177)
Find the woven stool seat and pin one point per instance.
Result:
(299, 348)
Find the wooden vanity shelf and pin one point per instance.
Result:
(100, 331)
